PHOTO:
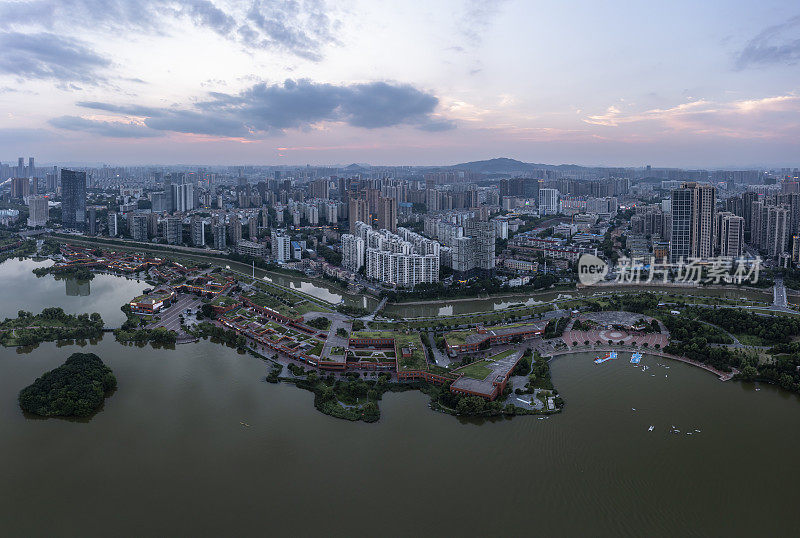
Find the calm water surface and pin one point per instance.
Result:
(168, 454)
(105, 294)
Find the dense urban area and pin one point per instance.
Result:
(394, 242)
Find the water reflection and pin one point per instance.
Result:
(77, 288)
(105, 294)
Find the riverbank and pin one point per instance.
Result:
(317, 289)
(723, 376)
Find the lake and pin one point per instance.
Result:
(105, 294)
(169, 455)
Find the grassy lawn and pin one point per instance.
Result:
(316, 350)
(223, 300)
(502, 355)
(477, 370)
(411, 341)
(458, 338)
(372, 334)
(750, 340)
(486, 318)
(307, 306)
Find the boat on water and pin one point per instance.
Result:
(636, 358)
(606, 357)
(650, 428)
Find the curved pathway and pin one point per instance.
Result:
(723, 376)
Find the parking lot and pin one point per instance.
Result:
(170, 317)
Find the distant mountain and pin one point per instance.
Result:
(501, 165)
(504, 165)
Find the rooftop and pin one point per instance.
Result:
(472, 336)
(494, 370)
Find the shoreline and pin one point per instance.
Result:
(723, 376)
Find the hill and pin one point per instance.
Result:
(501, 165)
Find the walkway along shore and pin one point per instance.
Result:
(723, 376)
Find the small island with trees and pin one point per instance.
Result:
(77, 388)
(52, 324)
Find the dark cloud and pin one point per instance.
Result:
(299, 27)
(50, 56)
(130, 110)
(269, 108)
(187, 121)
(103, 128)
(777, 44)
(379, 104)
(303, 28)
(205, 14)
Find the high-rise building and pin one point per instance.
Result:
(51, 181)
(21, 167)
(152, 224)
(729, 235)
(484, 244)
(352, 252)
(387, 214)
(693, 208)
(73, 199)
(20, 187)
(234, 230)
(402, 261)
(138, 225)
(113, 224)
(281, 246)
(198, 231)
(31, 168)
(548, 201)
(92, 221)
(173, 230)
(38, 211)
(183, 197)
(321, 188)
(220, 236)
(358, 212)
(773, 229)
(159, 202)
(704, 210)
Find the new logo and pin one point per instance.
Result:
(591, 269)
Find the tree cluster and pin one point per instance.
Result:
(75, 389)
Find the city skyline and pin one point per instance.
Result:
(168, 82)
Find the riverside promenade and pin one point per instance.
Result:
(723, 376)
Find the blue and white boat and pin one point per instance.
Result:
(606, 357)
(636, 358)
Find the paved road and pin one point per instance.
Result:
(779, 294)
(338, 321)
(440, 358)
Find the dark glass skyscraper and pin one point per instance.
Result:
(73, 199)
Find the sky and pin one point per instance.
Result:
(613, 83)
